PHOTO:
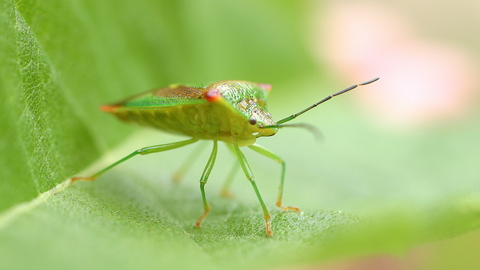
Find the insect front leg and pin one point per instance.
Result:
(248, 172)
(141, 151)
(268, 153)
(203, 181)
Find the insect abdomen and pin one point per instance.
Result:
(204, 121)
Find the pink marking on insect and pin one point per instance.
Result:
(266, 86)
(108, 108)
(212, 95)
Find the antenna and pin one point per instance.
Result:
(293, 116)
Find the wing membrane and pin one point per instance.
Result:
(166, 97)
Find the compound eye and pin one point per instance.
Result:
(253, 120)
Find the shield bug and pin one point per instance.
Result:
(230, 111)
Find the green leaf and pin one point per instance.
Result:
(364, 190)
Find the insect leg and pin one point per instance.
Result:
(248, 172)
(141, 151)
(187, 164)
(268, 153)
(225, 190)
(203, 181)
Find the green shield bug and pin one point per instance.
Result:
(230, 111)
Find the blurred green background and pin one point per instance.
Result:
(396, 173)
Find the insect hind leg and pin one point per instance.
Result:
(141, 151)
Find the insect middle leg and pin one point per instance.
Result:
(225, 190)
(141, 151)
(187, 164)
(248, 172)
(268, 153)
(203, 181)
